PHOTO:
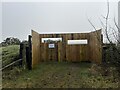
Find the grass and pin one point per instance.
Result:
(61, 75)
(9, 54)
(56, 74)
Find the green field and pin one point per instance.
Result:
(62, 75)
(9, 54)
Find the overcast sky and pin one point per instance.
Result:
(18, 18)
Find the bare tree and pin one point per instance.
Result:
(115, 51)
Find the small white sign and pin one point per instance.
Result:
(51, 45)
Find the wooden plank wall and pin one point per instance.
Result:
(49, 54)
(76, 53)
(65, 52)
(95, 46)
(35, 48)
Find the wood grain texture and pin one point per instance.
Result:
(35, 48)
(64, 52)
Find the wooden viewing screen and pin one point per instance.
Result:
(62, 51)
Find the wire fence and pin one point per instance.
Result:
(10, 64)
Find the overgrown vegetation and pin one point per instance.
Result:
(113, 58)
(10, 53)
(60, 74)
(63, 75)
(112, 52)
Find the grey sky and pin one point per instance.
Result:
(18, 18)
(0, 21)
(119, 17)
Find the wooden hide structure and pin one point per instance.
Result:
(64, 52)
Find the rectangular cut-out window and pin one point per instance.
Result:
(51, 40)
(85, 41)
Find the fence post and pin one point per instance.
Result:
(29, 53)
(59, 51)
(30, 49)
(28, 58)
(104, 54)
(21, 54)
(29, 42)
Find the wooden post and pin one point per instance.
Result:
(28, 61)
(59, 51)
(30, 48)
(21, 54)
(29, 41)
(29, 52)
